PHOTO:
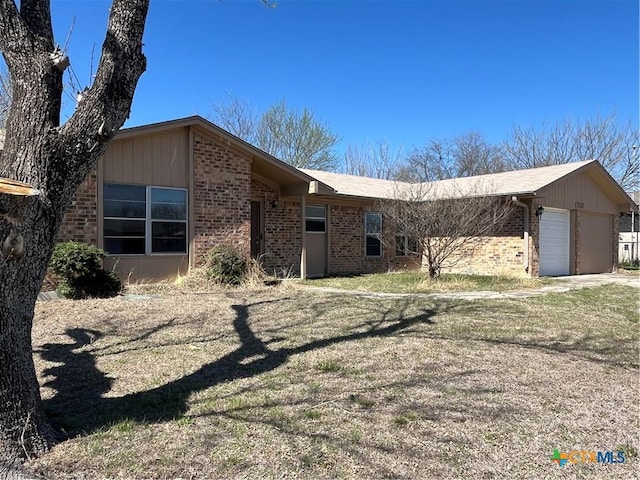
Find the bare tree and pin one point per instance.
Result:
(443, 222)
(53, 159)
(295, 137)
(464, 156)
(374, 160)
(602, 139)
(237, 117)
(473, 155)
(430, 163)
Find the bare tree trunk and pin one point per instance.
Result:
(53, 159)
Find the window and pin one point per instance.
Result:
(373, 234)
(141, 220)
(405, 246)
(315, 218)
(168, 220)
(125, 211)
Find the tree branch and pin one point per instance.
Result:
(105, 107)
(36, 14)
(14, 34)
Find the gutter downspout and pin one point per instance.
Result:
(515, 200)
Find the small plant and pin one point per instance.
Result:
(329, 366)
(361, 401)
(225, 265)
(79, 265)
(312, 414)
(402, 420)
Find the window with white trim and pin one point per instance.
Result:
(144, 220)
(373, 234)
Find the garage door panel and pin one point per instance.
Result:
(553, 246)
(596, 252)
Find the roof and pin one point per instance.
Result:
(516, 182)
(526, 182)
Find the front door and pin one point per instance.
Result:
(256, 228)
(316, 239)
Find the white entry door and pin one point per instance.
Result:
(554, 242)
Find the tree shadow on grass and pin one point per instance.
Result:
(79, 406)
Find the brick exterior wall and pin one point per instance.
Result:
(347, 240)
(346, 249)
(501, 254)
(80, 222)
(221, 198)
(282, 240)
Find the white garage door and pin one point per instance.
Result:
(554, 242)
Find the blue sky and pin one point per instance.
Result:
(401, 71)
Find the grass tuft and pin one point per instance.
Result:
(417, 282)
(328, 366)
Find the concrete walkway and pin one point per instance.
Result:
(562, 284)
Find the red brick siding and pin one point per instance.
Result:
(80, 222)
(221, 197)
(282, 241)
(347, 247)
(346, 230)
(500, 254)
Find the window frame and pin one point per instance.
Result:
(315, 218)
(375, 235)
(406, 250)
(149, 221)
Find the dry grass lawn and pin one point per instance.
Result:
(288, 383)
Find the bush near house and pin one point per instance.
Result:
(79, 265)
(225, 265)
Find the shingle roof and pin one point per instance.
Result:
(517, 182)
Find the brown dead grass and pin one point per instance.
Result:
(282, 383)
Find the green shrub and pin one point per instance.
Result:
(73, 259)
(79, 265)
(225, 265)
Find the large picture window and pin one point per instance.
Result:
(141, 220)
(373, 234)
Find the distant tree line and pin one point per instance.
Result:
(300, 139)
(297, 137)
